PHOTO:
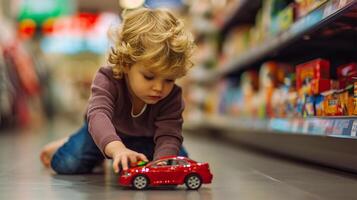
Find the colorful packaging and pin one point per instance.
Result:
(348, 70)
(291, 107)
(320, 85)
(249, 84)
(267, 84)
(280, 102)
(319, 105)
(283, 20)
(306, 89)
(347, 100)
(351, 105)
(346, 74)
(315, 69)
(250, 80)
(300, 101)
(343, 102)
(303, 7)
(236, 42)
(308, 109)
(271, 77)
(355, 97)
(331, 104)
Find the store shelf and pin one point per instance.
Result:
(328, 32)
(329, 141)
(318, 18)
(328, 126)
(335, 152)
(345, 127)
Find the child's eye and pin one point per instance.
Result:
(148, 77)
(169, 80)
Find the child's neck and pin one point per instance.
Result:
(136, 103)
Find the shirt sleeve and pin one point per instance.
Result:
(100, 110)
(168, 134)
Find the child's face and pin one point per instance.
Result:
(147, 86)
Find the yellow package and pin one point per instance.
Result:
(343, 103)
(331, 104)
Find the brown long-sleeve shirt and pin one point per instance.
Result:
(109, 115)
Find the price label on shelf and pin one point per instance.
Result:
(305, 127)
(354, 129)
(294, 126)
(329, 127)
(340, 127)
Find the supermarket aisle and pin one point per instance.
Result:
(238, 174)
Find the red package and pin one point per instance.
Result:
(347, 70)
(315, 69)
(320, 85)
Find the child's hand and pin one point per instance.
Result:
(123, 157)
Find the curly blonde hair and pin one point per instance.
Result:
(153, 36)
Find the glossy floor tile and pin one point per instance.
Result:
(238, 173)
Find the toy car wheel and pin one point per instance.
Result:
(140, 182)
(193, 182)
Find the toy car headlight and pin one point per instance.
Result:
(126, 174)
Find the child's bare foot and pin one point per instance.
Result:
(49, 149)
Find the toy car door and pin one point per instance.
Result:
(162, 173)
(178, 171)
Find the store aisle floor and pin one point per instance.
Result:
(238, 174)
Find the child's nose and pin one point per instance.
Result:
(158, 86)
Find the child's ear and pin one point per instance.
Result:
(126, 67)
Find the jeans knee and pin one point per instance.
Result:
(66, 165)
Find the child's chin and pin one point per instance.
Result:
(151, 101)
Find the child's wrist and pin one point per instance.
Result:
(113, 148)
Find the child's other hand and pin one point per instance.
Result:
(123, 157)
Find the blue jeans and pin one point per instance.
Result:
(79, 155)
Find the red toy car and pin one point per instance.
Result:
(170, 170)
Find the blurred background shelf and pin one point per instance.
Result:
(328, 31)
(304, 35)
(238, 97)
(328, 141)
(342, 127)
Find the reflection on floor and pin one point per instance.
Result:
(238, 174)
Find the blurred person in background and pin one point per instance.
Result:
(135, 108)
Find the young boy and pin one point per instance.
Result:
(135, 109)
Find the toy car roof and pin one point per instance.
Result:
(175, 157)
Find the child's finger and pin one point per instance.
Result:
(133, 160)
(124, 162)
(142, 157)
(116, 164)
